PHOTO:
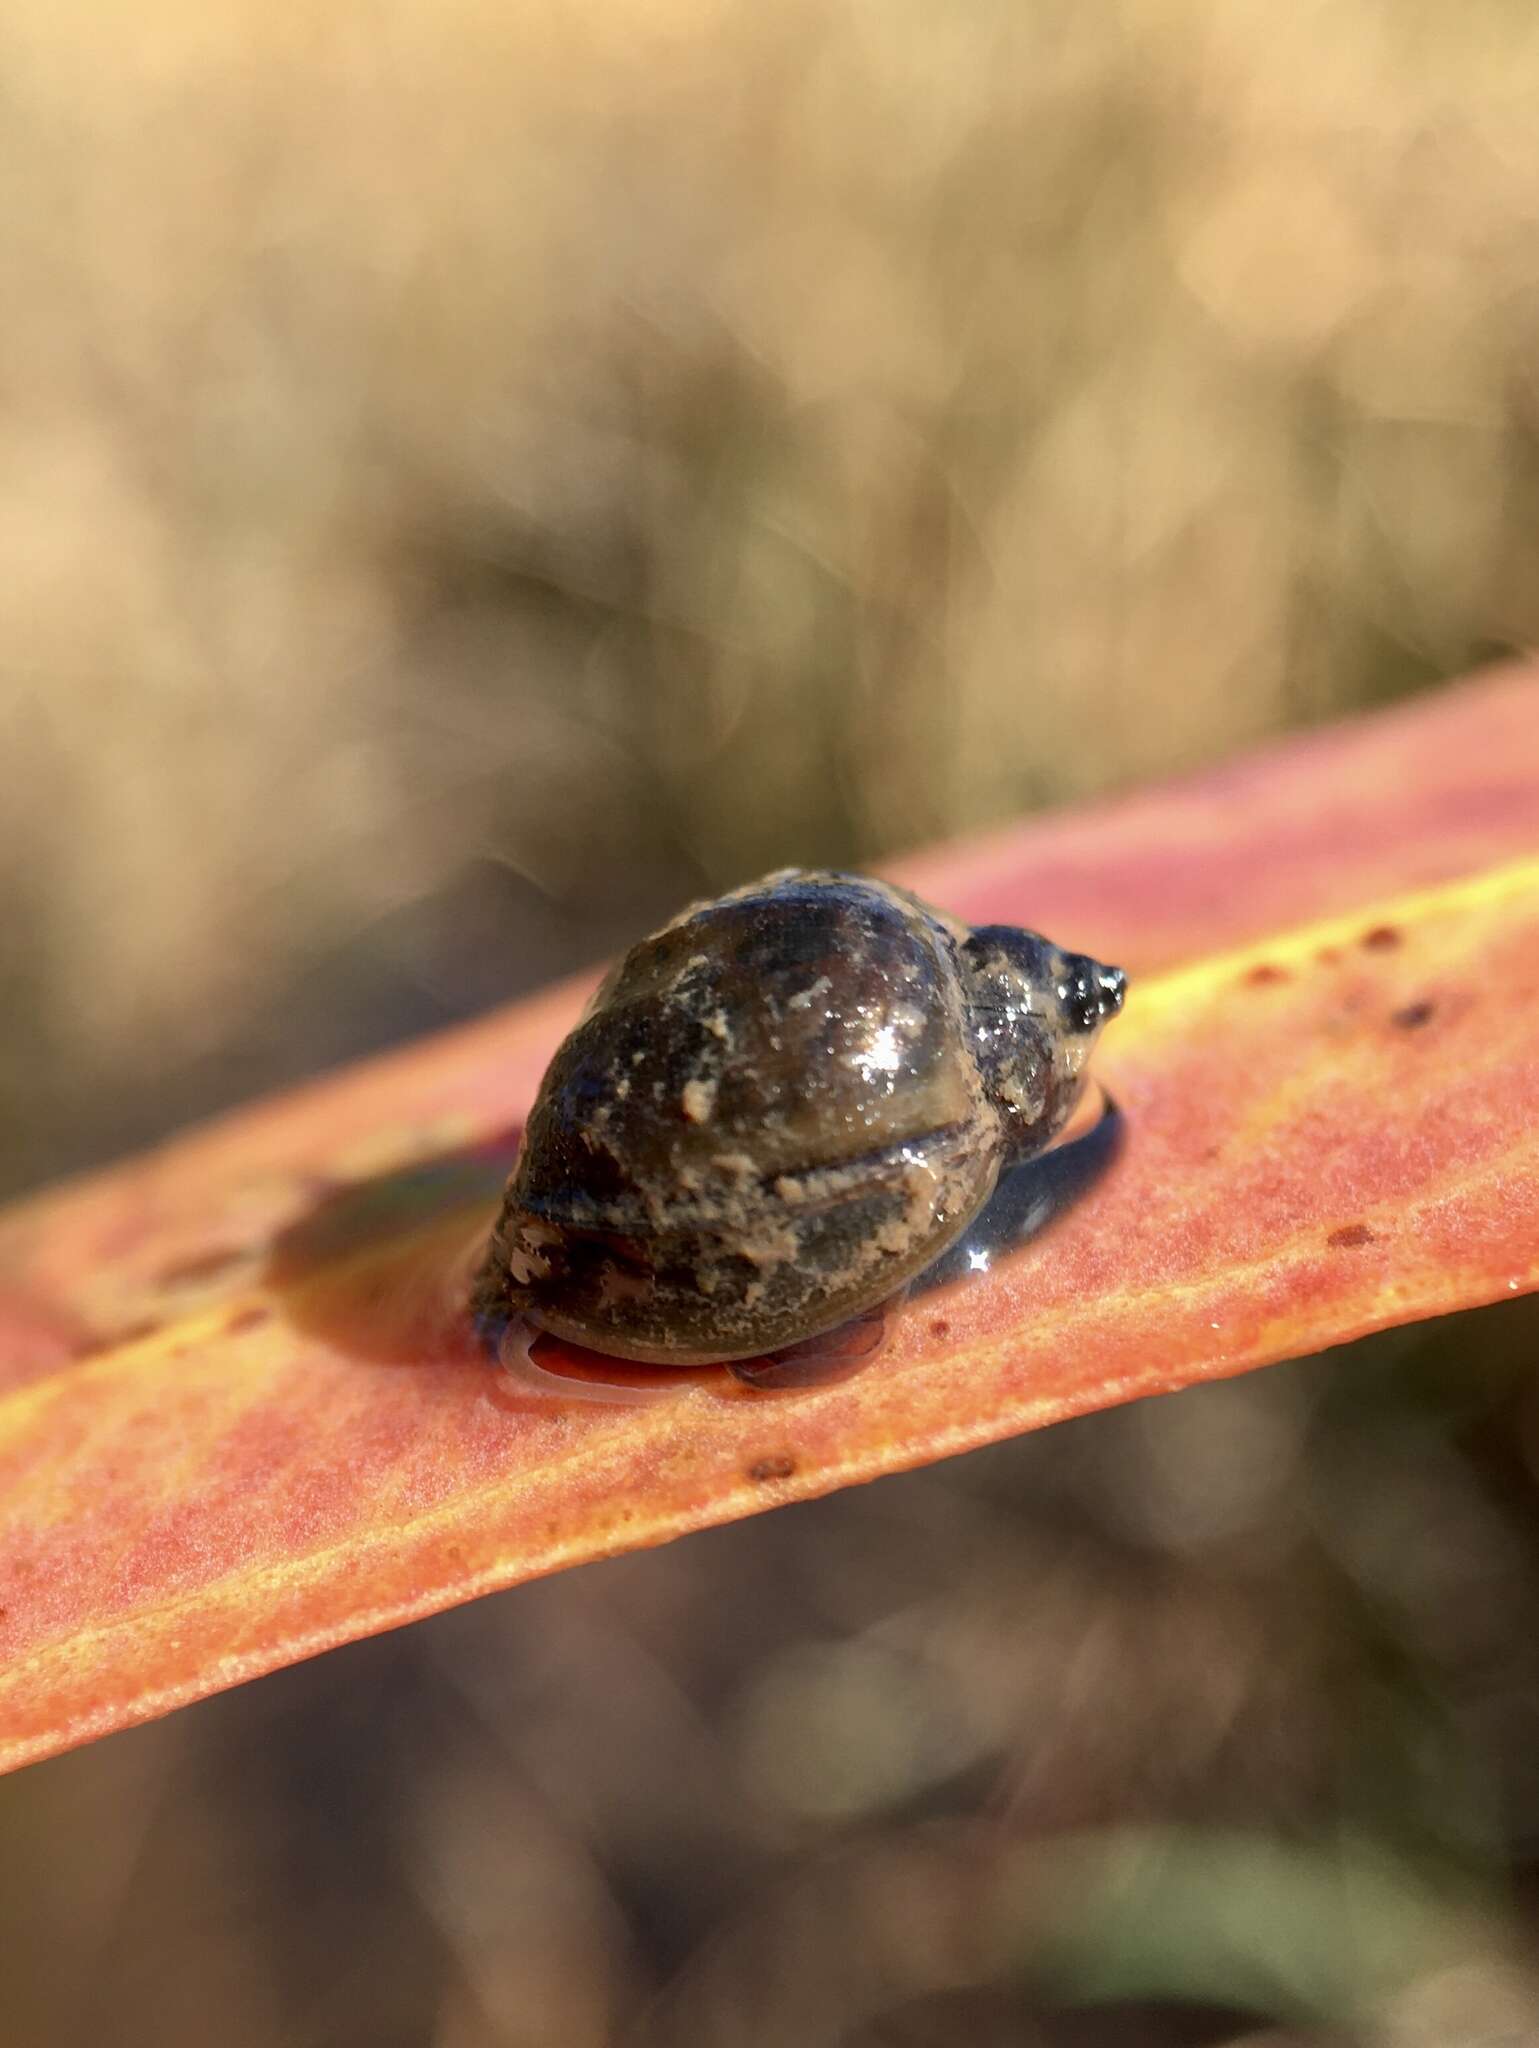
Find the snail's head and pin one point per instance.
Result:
(1035, 1013)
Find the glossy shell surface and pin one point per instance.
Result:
(775, 1111)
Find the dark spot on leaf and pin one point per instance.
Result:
(248, 1318)
(112, 1340)
(1264, 974)
(940, 1327)
(1380, 937)
(778, 1466)
(1350, 1236)
(201, 1266)
(1413, 1016)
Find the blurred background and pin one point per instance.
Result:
(473, 476)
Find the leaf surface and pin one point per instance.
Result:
(242, 1419)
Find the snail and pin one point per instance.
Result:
(776, 1111)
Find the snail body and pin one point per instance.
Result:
(777, 1110)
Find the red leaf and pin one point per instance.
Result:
(242, 1420)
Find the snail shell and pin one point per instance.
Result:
(778, 1109)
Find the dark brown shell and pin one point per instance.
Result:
(775, 1112)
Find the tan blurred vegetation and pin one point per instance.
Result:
(471, 473)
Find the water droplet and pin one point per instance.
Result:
(536, 1364)
(819, 1361)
